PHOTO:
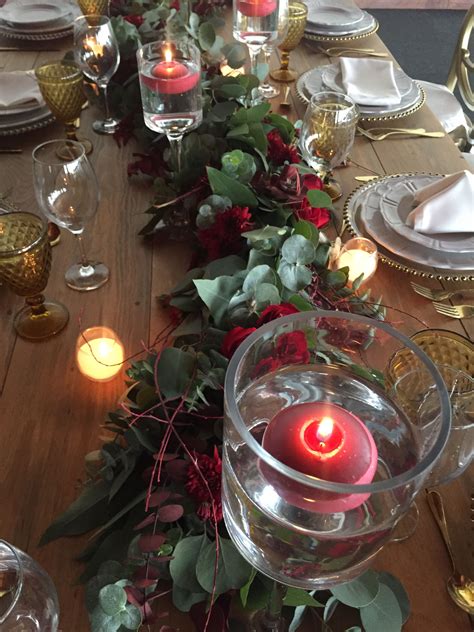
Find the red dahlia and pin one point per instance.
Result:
(278, 151)
(224, 236)
(204, 485)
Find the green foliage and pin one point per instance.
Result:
(222, 184)
(239, 165)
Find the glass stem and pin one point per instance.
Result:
(70, 128)
(176, 143)
(267, 52)
(84, 260)
(106, 103)
(285, 59)
(36, 305)
(271, 620)
(253, 52)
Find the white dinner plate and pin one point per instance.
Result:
(24, 13)
(366, 23)
(59, 25)
(320, 13)
(397, 203)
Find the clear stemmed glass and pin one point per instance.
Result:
(256, 23)
(25, 262)
(266, 89)
(170, 84)
(67, 192)
(97, 54)
(29, 600)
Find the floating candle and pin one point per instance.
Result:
(327, 442)
(256, 8)
(99, 354)
(171, 76)
(360, 256)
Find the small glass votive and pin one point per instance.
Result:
(360, 256)
(99, 354)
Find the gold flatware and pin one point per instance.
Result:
(365, 178)
(372, 134)
(437, 295)
(454, 311)
(341, 52)
(8, 150)
(286, 103)
(460, 587)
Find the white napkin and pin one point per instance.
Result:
(370, 81)
(446, 206)
(19, 89)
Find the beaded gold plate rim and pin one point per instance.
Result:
(28, 127)
(36, 37)
(371, 118)
(393, 263)
(342, 38)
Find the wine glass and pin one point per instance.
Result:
(97, 54)
(297, 15)
(29, 600)
(266, 90)
(170, 85)
(94, 7)
(327, 134)
(256, 23)
(61, 84)
(25, 262)
(67, 192)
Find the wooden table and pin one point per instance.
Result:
(51, 416)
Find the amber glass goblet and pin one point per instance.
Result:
(297, 14)
(94, 7)
(61, 84)
(25, 262)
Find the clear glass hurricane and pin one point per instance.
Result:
(256, 23)
(170, 84)
(67, 192)
(319, 461)
(97, 54)
(28, 598)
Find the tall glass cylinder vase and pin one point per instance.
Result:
(319, 462)
(256, 23)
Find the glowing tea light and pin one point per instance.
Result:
(170, 76)
(360, 256)
(325, 441)
(99, 354)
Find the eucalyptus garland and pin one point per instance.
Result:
(152, 494)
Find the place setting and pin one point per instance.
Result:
(337, 22)
(22, 106)
(37, 20)
(382, 90)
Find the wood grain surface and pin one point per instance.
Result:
(51, 415)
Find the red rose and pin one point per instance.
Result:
(292, 348)
(233, 338)
(317, 216)
(278, 151)
(313, 182)
(224, 236)
(136, 20)
(276, 311)
(266, 365)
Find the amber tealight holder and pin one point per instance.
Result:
(61, 84)
(25, 262)
(297, 14)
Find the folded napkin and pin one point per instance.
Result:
(370, 81)
(446, 206)
(18, 89)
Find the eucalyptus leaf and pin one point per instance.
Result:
(293, 276)
(319, 199)
(112, 599)
(184, 599)
(183, 566)
(399, 591)
(359, 592)
(308, 230)
(244, 591)
(256, 276)
(297, 619)
(174, 370)
(227, 266)
(297, 249)
(299, 597)
(240, 194)
(207, 35)
(330, 607)
(130, 617)
(216, 294)
(383, 613)
(232, 570)
(266, 294)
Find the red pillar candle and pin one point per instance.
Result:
(170, 76)
(327, 442)
(256, 8)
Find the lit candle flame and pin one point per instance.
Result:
(325, 428)
(168, 55)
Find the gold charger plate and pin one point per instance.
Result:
(394, 261)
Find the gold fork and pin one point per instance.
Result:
(455, 311)
(437, 295)
(369, 133)
(337, 51)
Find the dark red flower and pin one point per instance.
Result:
(276, 311)
(204, 485)
(136, 20)
(234, 338)
(278, 151)
(311, 182)
(292, 348)
(224, 236)
(266, 365)
(317, 216)
(174, 5)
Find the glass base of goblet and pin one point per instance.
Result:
(108, 126)
(268, 91)
(284, 75)
(87, 278)
(333, 189)
(38, 326)
(69, 152)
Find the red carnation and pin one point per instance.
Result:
(136, 20)
(276, 311)
(234, 338)
(204, 485)
(278, 151)
(292, 348)
(224, 236)
(317, 216)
